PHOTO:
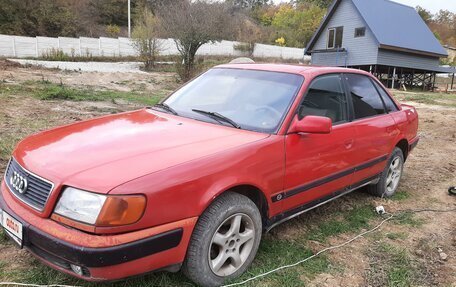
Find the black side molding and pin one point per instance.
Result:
(100, 257)
(274, 221)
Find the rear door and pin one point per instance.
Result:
(375, 129)
(318, 165)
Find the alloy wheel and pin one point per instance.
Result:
(394, 175)
(231, 244)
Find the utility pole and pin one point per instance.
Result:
(129, 18)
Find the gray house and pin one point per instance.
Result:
(386, 38)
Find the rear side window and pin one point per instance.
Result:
(366, 100)
(390, 105)
(325, 98)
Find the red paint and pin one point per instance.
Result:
(311, 124)
(181, 165)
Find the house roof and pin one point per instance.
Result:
(395, 26)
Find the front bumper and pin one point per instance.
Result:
(414, 143)
(101, 257)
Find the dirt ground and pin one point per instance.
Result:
(425, 243)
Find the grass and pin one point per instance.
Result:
(3, 238)
(439, 99)
(400, 195)
(393, 267)
(399, 271)
(396, 235)
(7, 144)
(274, 253)
(44, 90)
(351, 221)
(407, 218)
(41, 274)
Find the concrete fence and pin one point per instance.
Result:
(23, 47)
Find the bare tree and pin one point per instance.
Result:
(145, 38)
(192, 24)
(248, 33)
(249, 4)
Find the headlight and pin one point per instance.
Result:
(100, 210)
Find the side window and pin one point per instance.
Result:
(331, 36)
(389, 103)
(366, 100)
(339, 36)
(360, 32)
(325, 98)
(335, 36)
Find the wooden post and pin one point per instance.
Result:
(413, 78)
(424, 81)
(388, 76)
(452, 81)
(433, 82)
(394, 78)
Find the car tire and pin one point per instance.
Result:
(230, 229)
(390, 177)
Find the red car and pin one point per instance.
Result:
(193, 182)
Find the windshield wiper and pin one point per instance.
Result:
(165, 107)
(218, 117)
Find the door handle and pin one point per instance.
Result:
(349, 144)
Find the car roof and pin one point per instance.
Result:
(293, 69)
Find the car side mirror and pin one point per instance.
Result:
(311, 125)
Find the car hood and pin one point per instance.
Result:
(103, 153)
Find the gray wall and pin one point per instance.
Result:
(360, 51)
(22, 47)
(398, 59)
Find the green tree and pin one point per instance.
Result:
(111, 11)
(249, 4)
(11, 13)
(249, 33)
(37, 18)
(145, 38)
(297, 23)
(112, 30)
(320, 3)
(426, 15)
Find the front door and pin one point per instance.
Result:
(318, 165)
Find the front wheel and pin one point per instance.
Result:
(391, 176)
(225, 240)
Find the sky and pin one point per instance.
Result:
(433, 5)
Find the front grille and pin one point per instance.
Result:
(37, 191)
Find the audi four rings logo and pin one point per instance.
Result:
(18, 182)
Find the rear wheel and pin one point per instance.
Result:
(225, 240)
(391, 176)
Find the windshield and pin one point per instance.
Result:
(248, 99)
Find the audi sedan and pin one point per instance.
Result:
(193, 182)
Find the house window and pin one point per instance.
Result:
(360, 32)
(335, 36)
